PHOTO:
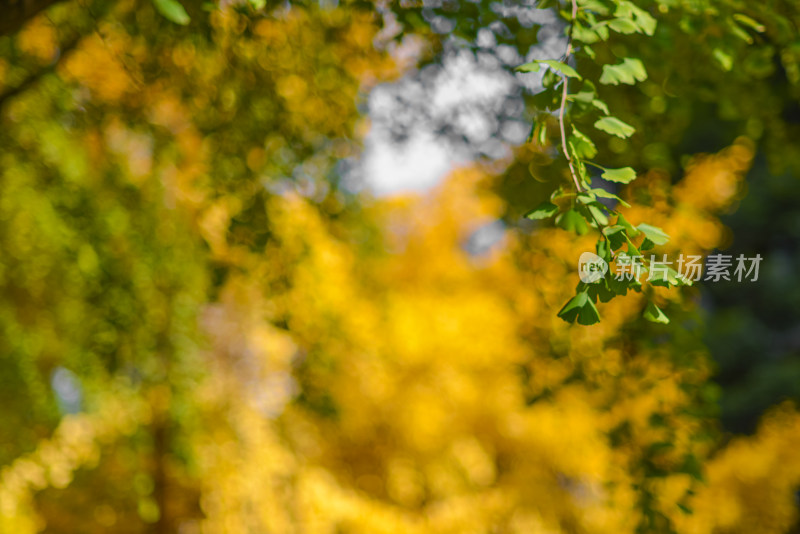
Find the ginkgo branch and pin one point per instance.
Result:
(564, 96)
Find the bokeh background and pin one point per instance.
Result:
(264, 269)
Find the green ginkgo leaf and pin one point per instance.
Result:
(582, 308)
(625, 26)
(582, 146)
(563, 68)
(614, 126)
(602, 193)
(533, 66)
(654, 314)
(572, 221)
(557, 66)
(542, 211)
(630, 71)
(653, 233)
(624, 175)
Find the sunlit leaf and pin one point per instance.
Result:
(582, 145)
(533, 66)
(563, 68)
(542, 211)
(653, 233)
(602, 193)
(624, 175)
(572, 221)
(625, 26)
(654, 314)
(628, 72)
(614, 126)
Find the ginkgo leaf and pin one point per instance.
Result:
(533, 66)
(625, 175)
(557, 66)
(572, 221)
(588, 314)
(542, 211)
(602, 193)
(644, 21)
(582, 308)
(654, 314)
(563, 68)
(614, 126)
(628, 72)
(599, 104)
(625, 26)
(653, 233)
(615, 235)
(582, 146)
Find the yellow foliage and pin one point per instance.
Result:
(752, 481)
(400, 385)
(419, 352)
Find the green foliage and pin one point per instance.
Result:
(614, 126)
(654, 314)
(580, 308)
(629, 72)
(542, 211)
(624, 175)
(654, 234)
(591, 23)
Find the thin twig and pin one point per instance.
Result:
(564, 95)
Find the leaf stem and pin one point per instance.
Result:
(595, 165)
(564, 95)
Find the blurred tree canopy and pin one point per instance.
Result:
(203, 329)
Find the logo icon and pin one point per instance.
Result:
(591, 267)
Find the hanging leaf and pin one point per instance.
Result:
(588, 314)
(653, 233)
(597, 211)
(563, 68)
(557, 66)
(654, 314)
(624, 175)
(533, 66)
(594, 5)
(628, 72)
(644, 21)
(602, 193)
(572, 221)
(582, 308)
(625, 26)
(622, 221)
(614, 126)
(569, 312)
(583, 147)
(542, 211)
(615, 235)
(599, 104)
